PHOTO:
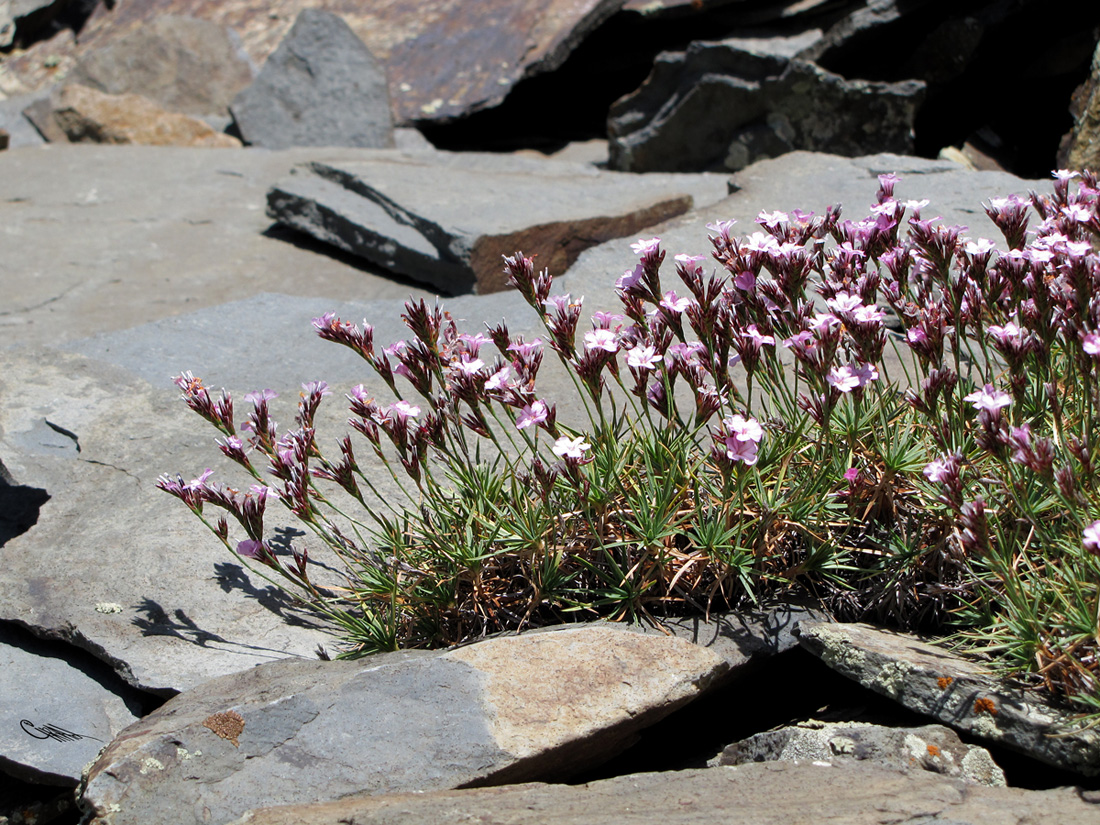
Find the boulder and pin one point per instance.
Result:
(448, 224)
(84, 115)
(1080, 148)
(803, 794)
(185, 65)
(509, 709)
(49, 736)
(928, 748)
(957, 691)
(17, 16)
(756, 102)
(12, 120)
(321, 87)
(442, 63)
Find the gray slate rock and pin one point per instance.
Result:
(508, 709)
(772, 793)
(757, 102)
(321, 87)
(113, 565)
(186, 65)
(449, 225)
(928, 748)
(19, 128)
(55, 717)
(959, 692)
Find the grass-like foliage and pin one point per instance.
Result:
(764, 433)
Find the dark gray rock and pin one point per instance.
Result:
(743, 795)
(186, 65)
(959, 692)
(509, 709)
(730, 103)
(448, 224)
(321, 87)
(1080, 147)
(55, 716)
(19, 128)
(928, 748)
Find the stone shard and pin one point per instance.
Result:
(928, 748)
(956, 691)
(508, 709)
(321, 87)
(186, 65)
(758, 102)
(801, 794)
(449, 223)
(84, 115)
(48, 736)
(444, 58)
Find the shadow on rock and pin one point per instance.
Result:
(19, 507)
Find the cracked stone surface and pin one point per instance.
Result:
(959, 692)
(802, 794)
(49, 735)
(503, 710)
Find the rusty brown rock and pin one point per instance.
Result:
(444, 58)
(85, 115)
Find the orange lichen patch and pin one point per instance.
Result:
(228, 725)
(933, 750)
(944, 681)
(985, 705)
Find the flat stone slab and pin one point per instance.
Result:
(932, 748)
(803, 794)
(509, 709)
(959, 692)
(450, 224)
(55, 717)
(114, 565)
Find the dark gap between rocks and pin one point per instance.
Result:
(783, 690)
(20, 506)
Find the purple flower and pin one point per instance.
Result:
(745, 281)
(738, 450)
(869, 315)
(757, 338)
(851, 475)
(1090, 343)
(989, 399)
(534, 413)
(630, 279)
(499, 379)
(851, 376)
(771, 219)
(468, 365)
(940, 470)
(692, 263)
(739, 438)
(1091, 541)
(744, 429)
(403, 410)
(822, 322)
(844, 302)
(250, 549)
(260, 395)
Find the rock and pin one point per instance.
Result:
(12, 120)
(959, 692)
(442, 61)
(1080, 147)
(756, 103)
(111, 564)
(17, 16)
(504, 710)
(186, 65)
(85, 115)
(5, 139)
(448, 224)
(743, 795)
(929, 748)
(321, 87)
(48, 736)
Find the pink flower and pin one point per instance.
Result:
(758, 339)
(1004, 334)
(645, 247)
(499, 379)
(823, 322)
(566, 447)
(744, 429)
(674, 304)
(602, 339)
(250, 549)
(534, 413)
(403, 410)
(851, 376)
(692, 263)
(630, 279)
(1090, 343)
(469, 365)
(260, 395)
(738, 450)
(1091, 541)
(868, 315)
(745, 281)
(844, 302)
(851, 475)
(771, 219)
(939, 470)
(988, 398)
(642, 358)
